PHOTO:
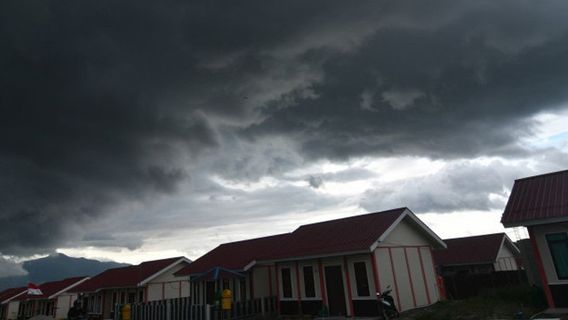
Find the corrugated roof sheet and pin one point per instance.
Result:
(236, 255)
(341, 235)
(124, 277)
(537, 199)
(11, 292)
(470, 250)
(50, 288)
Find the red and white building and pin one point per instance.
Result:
(9, 304)
(540, 203)
(147, 281)
(338, 265)
(478, 254)
(55, 299)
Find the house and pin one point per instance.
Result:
(9, 305)
(55, 299)
(540, 203)
(229, 267)
(337, 265)
(147, 281)
(478, 254)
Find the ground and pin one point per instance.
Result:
(503, 303)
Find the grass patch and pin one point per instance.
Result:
(494, 303)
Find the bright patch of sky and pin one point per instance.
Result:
(346, 182)
(552, 131)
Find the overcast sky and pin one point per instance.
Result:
(133, 130)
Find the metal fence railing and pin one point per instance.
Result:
(183, 309)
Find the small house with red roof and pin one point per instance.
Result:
(147, 281)
(336, 265)
(540, 203)
(54, 301)
(9, 304)
(477, 254)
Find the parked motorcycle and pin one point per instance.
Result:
(387, 308)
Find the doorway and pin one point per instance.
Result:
(210, 292)
(335, 291)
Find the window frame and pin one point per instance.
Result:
(553, 256)
(291, 285)
(312, 280)
(358, 281)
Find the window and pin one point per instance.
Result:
(286, 283)
(361, 279)
(558, 245)
(309, 286)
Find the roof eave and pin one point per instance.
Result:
(315, 256)
(160, 272)
(68, 288)
(536, 222)
(13, 297)
(408, 213)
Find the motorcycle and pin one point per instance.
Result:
(387, 308)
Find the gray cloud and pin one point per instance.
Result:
(108, 106)
(315, 182)
(9, 268)
(461, 185)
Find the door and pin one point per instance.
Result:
(335, 291)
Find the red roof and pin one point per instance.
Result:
(10, 293)
(350, 234)
(538, 199)
(125, 277)
(50, 288)
(342, 235)
(236, 255)
(470, 250)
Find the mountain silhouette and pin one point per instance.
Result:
(56, 267)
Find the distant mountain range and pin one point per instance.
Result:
(56, 267)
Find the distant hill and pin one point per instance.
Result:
(57, 267)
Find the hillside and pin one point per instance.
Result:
(56, 267)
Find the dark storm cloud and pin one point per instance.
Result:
(463, 86)
(104, 103)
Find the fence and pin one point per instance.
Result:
(462, 286)
(183, 309)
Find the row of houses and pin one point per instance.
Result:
(148, 281)
(336, 266)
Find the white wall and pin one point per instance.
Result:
(404, 261)
(540, 233)
(13, 307)
(64, 303)
(505, 259)
(168, 286)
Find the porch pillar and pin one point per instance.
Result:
(540, 268)
(322, 285)
(349, 294)
(298, 291)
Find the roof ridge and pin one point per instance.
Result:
(543, 175)
(351, 217)
(479, 235)
(253, 239)
(156, 260)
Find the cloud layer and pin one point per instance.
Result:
(108, 107)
